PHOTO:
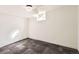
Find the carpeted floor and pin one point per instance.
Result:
(31, 46)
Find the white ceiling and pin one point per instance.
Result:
(20, 10)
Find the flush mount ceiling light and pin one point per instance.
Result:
(29, 5)
(29, 8)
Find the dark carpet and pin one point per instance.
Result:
(31, 46)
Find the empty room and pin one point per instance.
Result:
(39, 29)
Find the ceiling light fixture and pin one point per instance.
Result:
(29, 8)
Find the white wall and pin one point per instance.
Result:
(59, 28)
(12, 29)
(78, 30)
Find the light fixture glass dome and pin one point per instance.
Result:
(29, 8)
